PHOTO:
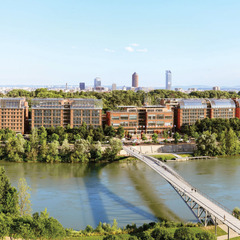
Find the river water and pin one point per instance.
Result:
(78, 195)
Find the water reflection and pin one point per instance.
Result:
(79, 194)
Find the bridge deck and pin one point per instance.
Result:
(178, 182)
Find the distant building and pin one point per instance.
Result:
(97, 82)
(114, 86)
(178, 89)
(135, 80)
(168, 80)
(82, 86)
(216, 88)
(192, 89)
(66, 86)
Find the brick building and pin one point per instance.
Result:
(137, 120)
(14, 114)
(189, 111)
(221, 108)
(53, 112)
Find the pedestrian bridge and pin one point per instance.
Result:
(204, 208)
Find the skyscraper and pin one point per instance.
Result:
(135, 80)
(82, 85)
(114, 86)
(97, 82)
(168, 79)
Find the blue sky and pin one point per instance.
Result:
(58, 41)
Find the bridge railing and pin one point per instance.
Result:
(179, 176)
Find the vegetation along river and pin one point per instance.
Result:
(78, 195)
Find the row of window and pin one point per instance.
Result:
(161, 116)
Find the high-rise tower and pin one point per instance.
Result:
(82, 85)
(135, 80)
(168, 79)
(97, 82)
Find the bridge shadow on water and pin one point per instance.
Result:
(147, 190)
(95, 188)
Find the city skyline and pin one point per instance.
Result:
(67, 41)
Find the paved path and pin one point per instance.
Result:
(232, 234)
(214, 208)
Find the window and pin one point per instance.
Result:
(115, 118)
(124, 124)
(160, 123)
(133, 117)
(124, 117)
(95, 113)
(160, 116)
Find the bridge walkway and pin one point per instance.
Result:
(204, 208)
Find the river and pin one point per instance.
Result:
(131, 192)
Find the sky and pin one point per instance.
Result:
(71, 41)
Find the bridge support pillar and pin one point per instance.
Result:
(228, 233)
(202, 215)
(215, 223)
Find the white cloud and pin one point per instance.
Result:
(142, 50)
(134, 44)
(129, 49)
(108, 50)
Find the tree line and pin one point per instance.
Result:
(215, 136)
(120, 97)
(60, 144)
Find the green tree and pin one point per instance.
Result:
(184, 233)
(144, 138)
(176, 137)
(236, 212)
(161, 234)
(53, 152)
(109, 131)
(115, 146)
(229, 142)
(207, 145)
(81, 151)
(8, 195)
(155, 138)
(205, 236)
(5, 223)
(185, 138)
(24, 197)
(120, 131)
(96, 151)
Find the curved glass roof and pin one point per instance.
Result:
(222, 103)
(192, 103)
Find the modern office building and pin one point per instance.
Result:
(14, 114)
(97, 82)
(188, 111)
(137, 120)
(53, 112)
(135, 80)
(82, 86)
(168, 79)
(221, 108)
(114, 86)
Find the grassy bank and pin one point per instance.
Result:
(164, 157)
